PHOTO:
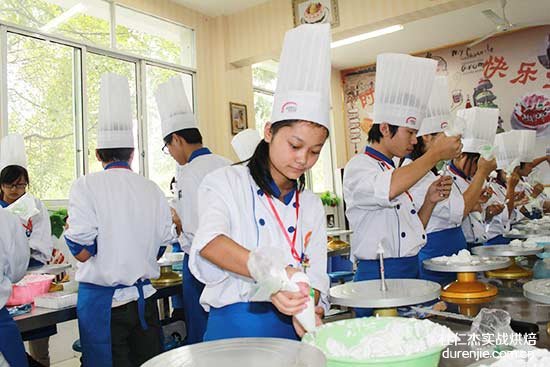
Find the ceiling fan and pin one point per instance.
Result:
(502, 23)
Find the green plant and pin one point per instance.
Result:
(329, 199)
(57, 221)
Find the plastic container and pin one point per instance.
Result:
(56, 300)
(28, 288)
(428, 358)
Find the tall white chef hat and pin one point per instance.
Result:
(402, 89)
(12, 151)
(507, 149)
(480, 128)
(115, 127)
(245, 143)
(438, 112)
(303, 81)
(527, 145)
(174, 108)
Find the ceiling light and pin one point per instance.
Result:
(365, 36)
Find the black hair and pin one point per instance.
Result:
(115, 154)
(375, 135)
(500, 177)
(258, 164)
(418, 151)
(12, 173)
(471, 159)
(191, 136)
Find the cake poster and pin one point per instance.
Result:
(510, 72)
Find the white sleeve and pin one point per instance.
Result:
(214, 220)
(317, 252)
(165, 221)
(451, 210)
(40, 241)
(16, 246)
(82, 219)
(367, 187)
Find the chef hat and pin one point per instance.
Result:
(438, 112)
(115, 127)
(527, 145)
(245, 143)
(174, 108)
(303, 81)
(481, 128)
(402, 89)
(507, 149)
(12, 151)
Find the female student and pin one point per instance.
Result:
(264, 204)
(444, 232)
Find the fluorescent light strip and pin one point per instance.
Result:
(365, 36)
(54, 23)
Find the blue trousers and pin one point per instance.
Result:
(11, 344)
(248, 320)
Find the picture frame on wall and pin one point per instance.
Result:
(238, 117)
(318, 11)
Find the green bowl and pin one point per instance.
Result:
(338, 331)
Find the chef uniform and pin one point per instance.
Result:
(244, 143)
(527, 153)
(176, 114)
(232, 204)
(480, 130)
(372, 216)
(444, 230)
(507, 154)
(37, 228)
(14, 259)
(121, 219)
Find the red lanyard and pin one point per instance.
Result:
(291, 243)
(388, 167)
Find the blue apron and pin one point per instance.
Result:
(441, 243)
(94, 321)
(11, 344)
(195, 316)
(248, 320)
(498, 240)
(394, 268)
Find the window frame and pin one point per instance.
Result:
(81, 112)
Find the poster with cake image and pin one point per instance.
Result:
(510, 72)
(311, 12)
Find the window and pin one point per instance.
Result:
(96, 66)
(264, 80)
(162, 167)
(41, 108)
(86, 21)
(155, 38)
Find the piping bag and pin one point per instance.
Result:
(267, 267)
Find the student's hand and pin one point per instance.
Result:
(447, 147)
(291, 303)
(439, 190)
(319, 314)
(485, 167)
(493, 210)
(485, 195)
(537, 189)
(513, 179)
(176, 220)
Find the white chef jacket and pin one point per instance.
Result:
(188, 179)
(14, 254)
(129, 218)
(472, 225)
(39, 233)
(373, 217)
(499, 223)
(232, 204)
(447, 213)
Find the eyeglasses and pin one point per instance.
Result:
(165, 149)
(15, 186)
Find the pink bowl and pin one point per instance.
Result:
(31, 286)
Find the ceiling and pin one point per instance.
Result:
(441, 30)
(214, 8)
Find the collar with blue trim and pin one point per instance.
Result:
(288, 197)
(3, 204)
(117, 164)
(198, 153)
(371, 152)
(458, 172)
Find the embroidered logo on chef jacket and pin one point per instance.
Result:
(28, 227)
